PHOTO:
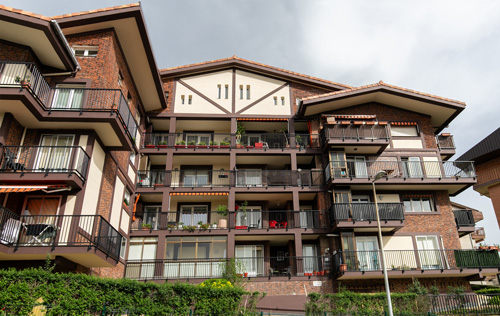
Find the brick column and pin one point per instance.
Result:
(494, 192)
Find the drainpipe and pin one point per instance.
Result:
(65, 43)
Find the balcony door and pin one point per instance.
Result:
(251, 258)
(361, 210)
(251, 218)
(249, 177)
(54, 153)
(412, 167)
(195, 178)
(197, 139)
(338, 164)
(428, 252)
(192, 214)
(142, 249)
(306, 217)
(68, 96)
(358, 165)
(367, 249)
(151, 216)
(310, 254)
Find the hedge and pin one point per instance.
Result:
(79, 294)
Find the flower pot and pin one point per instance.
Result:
(191, 146)
(223, 223)
(150, 146)
(202, 146)
(162, 146)
(343, 267)
(246, 274)
(224, 146)
(180, 146)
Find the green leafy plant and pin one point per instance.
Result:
(146, 226)
(18, 79)
(202, 144)
(192, 143)
(222, 210)
(181, 142)
(162, 143)
(212, 143)
(225, 143)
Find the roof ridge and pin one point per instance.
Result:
(123, 6)
(234, 57)
(23, 12)
(381, 83)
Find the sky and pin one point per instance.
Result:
(446, 48)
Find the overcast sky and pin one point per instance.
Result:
(446, 48)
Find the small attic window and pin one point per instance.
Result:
(85, 51)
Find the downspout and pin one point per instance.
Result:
(65, 43)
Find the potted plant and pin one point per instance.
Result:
(126, 201)
(483, 246)
(343, 267)
(189, 228)
(205, 226)
(180, 225)
(191, 144)
(18, 79)
(180, 144)
(199, 224)
(298, 141)
(225, 144)
(213, 144)
(171, 226)
(202, 145)
(243, 208)
(146, 226)
(162, 144)
(222, 210)
(150, 145)
(240, 131)
(214, 225)
(246, 274)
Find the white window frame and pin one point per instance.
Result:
(419, 201)
(86, 50)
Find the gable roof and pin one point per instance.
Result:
(441, 110)
(235, 61)
(485, 150)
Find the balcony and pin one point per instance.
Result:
(251, 267)
(63, 164)
(478, 235)
(487, 179)
(275, 221)
(88, 240)
(362, 216)
(218, 141)
(416, 263)
(446, 145)
(366, 137)
(229, 178)
(78, 108)
(465, 221)
(455, 176)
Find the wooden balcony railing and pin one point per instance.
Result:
(492, 176)
(406, 260)
(341, 212)
(91, 231)
(214, 267)
(359, 169)
(44, 159)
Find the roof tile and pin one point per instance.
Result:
(26, 13)
(123, 6)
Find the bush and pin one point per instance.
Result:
(79, 294)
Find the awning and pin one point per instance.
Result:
(403, 123)
(353, 117)
(201, 193)
(262, 119)
(31, 188)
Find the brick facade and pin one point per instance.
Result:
(13, 52)
(289, 287)
(300, 91)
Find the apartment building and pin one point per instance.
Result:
(118, 169)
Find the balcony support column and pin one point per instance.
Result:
(172, 132)
(298, 254)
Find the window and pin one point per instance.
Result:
(142, 249)
(429, 254)
(241, 92)
(251, 258)
(132, 157)
(85, 51)
(251, 218)
(275, 99)
(248, 92)
(404, 131)
(182, 99)
(41, 206)
(412, 167)
(151, 215)
(126, 198)
(192, 214)
(123, 247)
(129, 99)
(418, 204)
(226, 92)
(249, 177)
(68, 96)
(54, 153)
(198, 139)
(218, 91)
(120, 78)
(282, 100)
(190, 257)
(190, 99)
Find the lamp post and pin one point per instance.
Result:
(379, 175)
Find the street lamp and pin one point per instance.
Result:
(379, 175)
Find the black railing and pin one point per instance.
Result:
(360, 169)
(464, 218)
(27, 75)
(215, 267)
(46, 159)
(307, 140)
(445, 142)
(272, 220)
(59, 231)
(355, 132)
(406, 260)
(341, 212)
(229, 178)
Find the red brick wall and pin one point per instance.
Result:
(288, 287)
(443, 223)
(14, 134)
(14, 53)
(107, 188)
(389, 113)
(302, 91)
(117, 272)
(494, 191)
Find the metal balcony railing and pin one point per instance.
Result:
(464, 218)
(251, 219)
(25, 74)
(91, 231)
(406, 260)
(215, 267)
(355, 132)
(46, 159)
(445, 142)
(229, 178)
(227, 140)
(341, 212)
(360, 169)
